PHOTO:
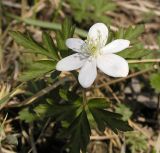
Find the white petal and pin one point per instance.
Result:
(88, 73)
(98, 31)
(113, 65)
(71, 62)
(115, 46)
(75, 44)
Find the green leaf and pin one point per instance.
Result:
(14, 92)
(55, 75)
(67, 28)
(136, 51)
(61, 36)
(49, 45)
(130, 33)
(80, 133)
(65, 111)
(153, 150)
(133, 33)
(98, 103)
(60, 112)
(29, 43)
(68, 95)
(63, 94)
(155, 81)
(5, 99)
(92, 10)
(112, 120)
(124, 111)
(105, 118)
(37, 69)
(137, 141)
(27, 115)
(60, 41)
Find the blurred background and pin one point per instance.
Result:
(136, 97)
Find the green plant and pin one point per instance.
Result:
(124, 111)
(63, 100)
(92, 10)
(136, 141)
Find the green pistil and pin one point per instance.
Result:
(92, 47)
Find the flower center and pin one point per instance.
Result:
(93, 46)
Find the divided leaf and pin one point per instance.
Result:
(137, 49)
(58, 111)
(61, 36)
(30, 44)
(37, 69)
(112, 120)
(136, 141)
(27, 115)
(68, 95)
(130, 33)
(124, 111)
(98, 103)
(106, 118)
(49, 45)
(133, 33)
(80, 133)
(92, 10)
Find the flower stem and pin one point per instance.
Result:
(84, 98)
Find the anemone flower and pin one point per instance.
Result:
(93, 53)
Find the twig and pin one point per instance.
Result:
(157, 146)
(5, 32)
(37, 7)
(128, 77)
(112, 92)
(102, 137)
(137, 8)
(158, 110)
(114, 95)
(6, 151)
(134, 125)
(42, 131)
(11, 120)
(40, 93)
(33, 145)
(11, 4)
(23, 7)
(143, 61)
(1, 131)
(84, 98)
(110, 147)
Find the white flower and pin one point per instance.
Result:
(94, 53)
